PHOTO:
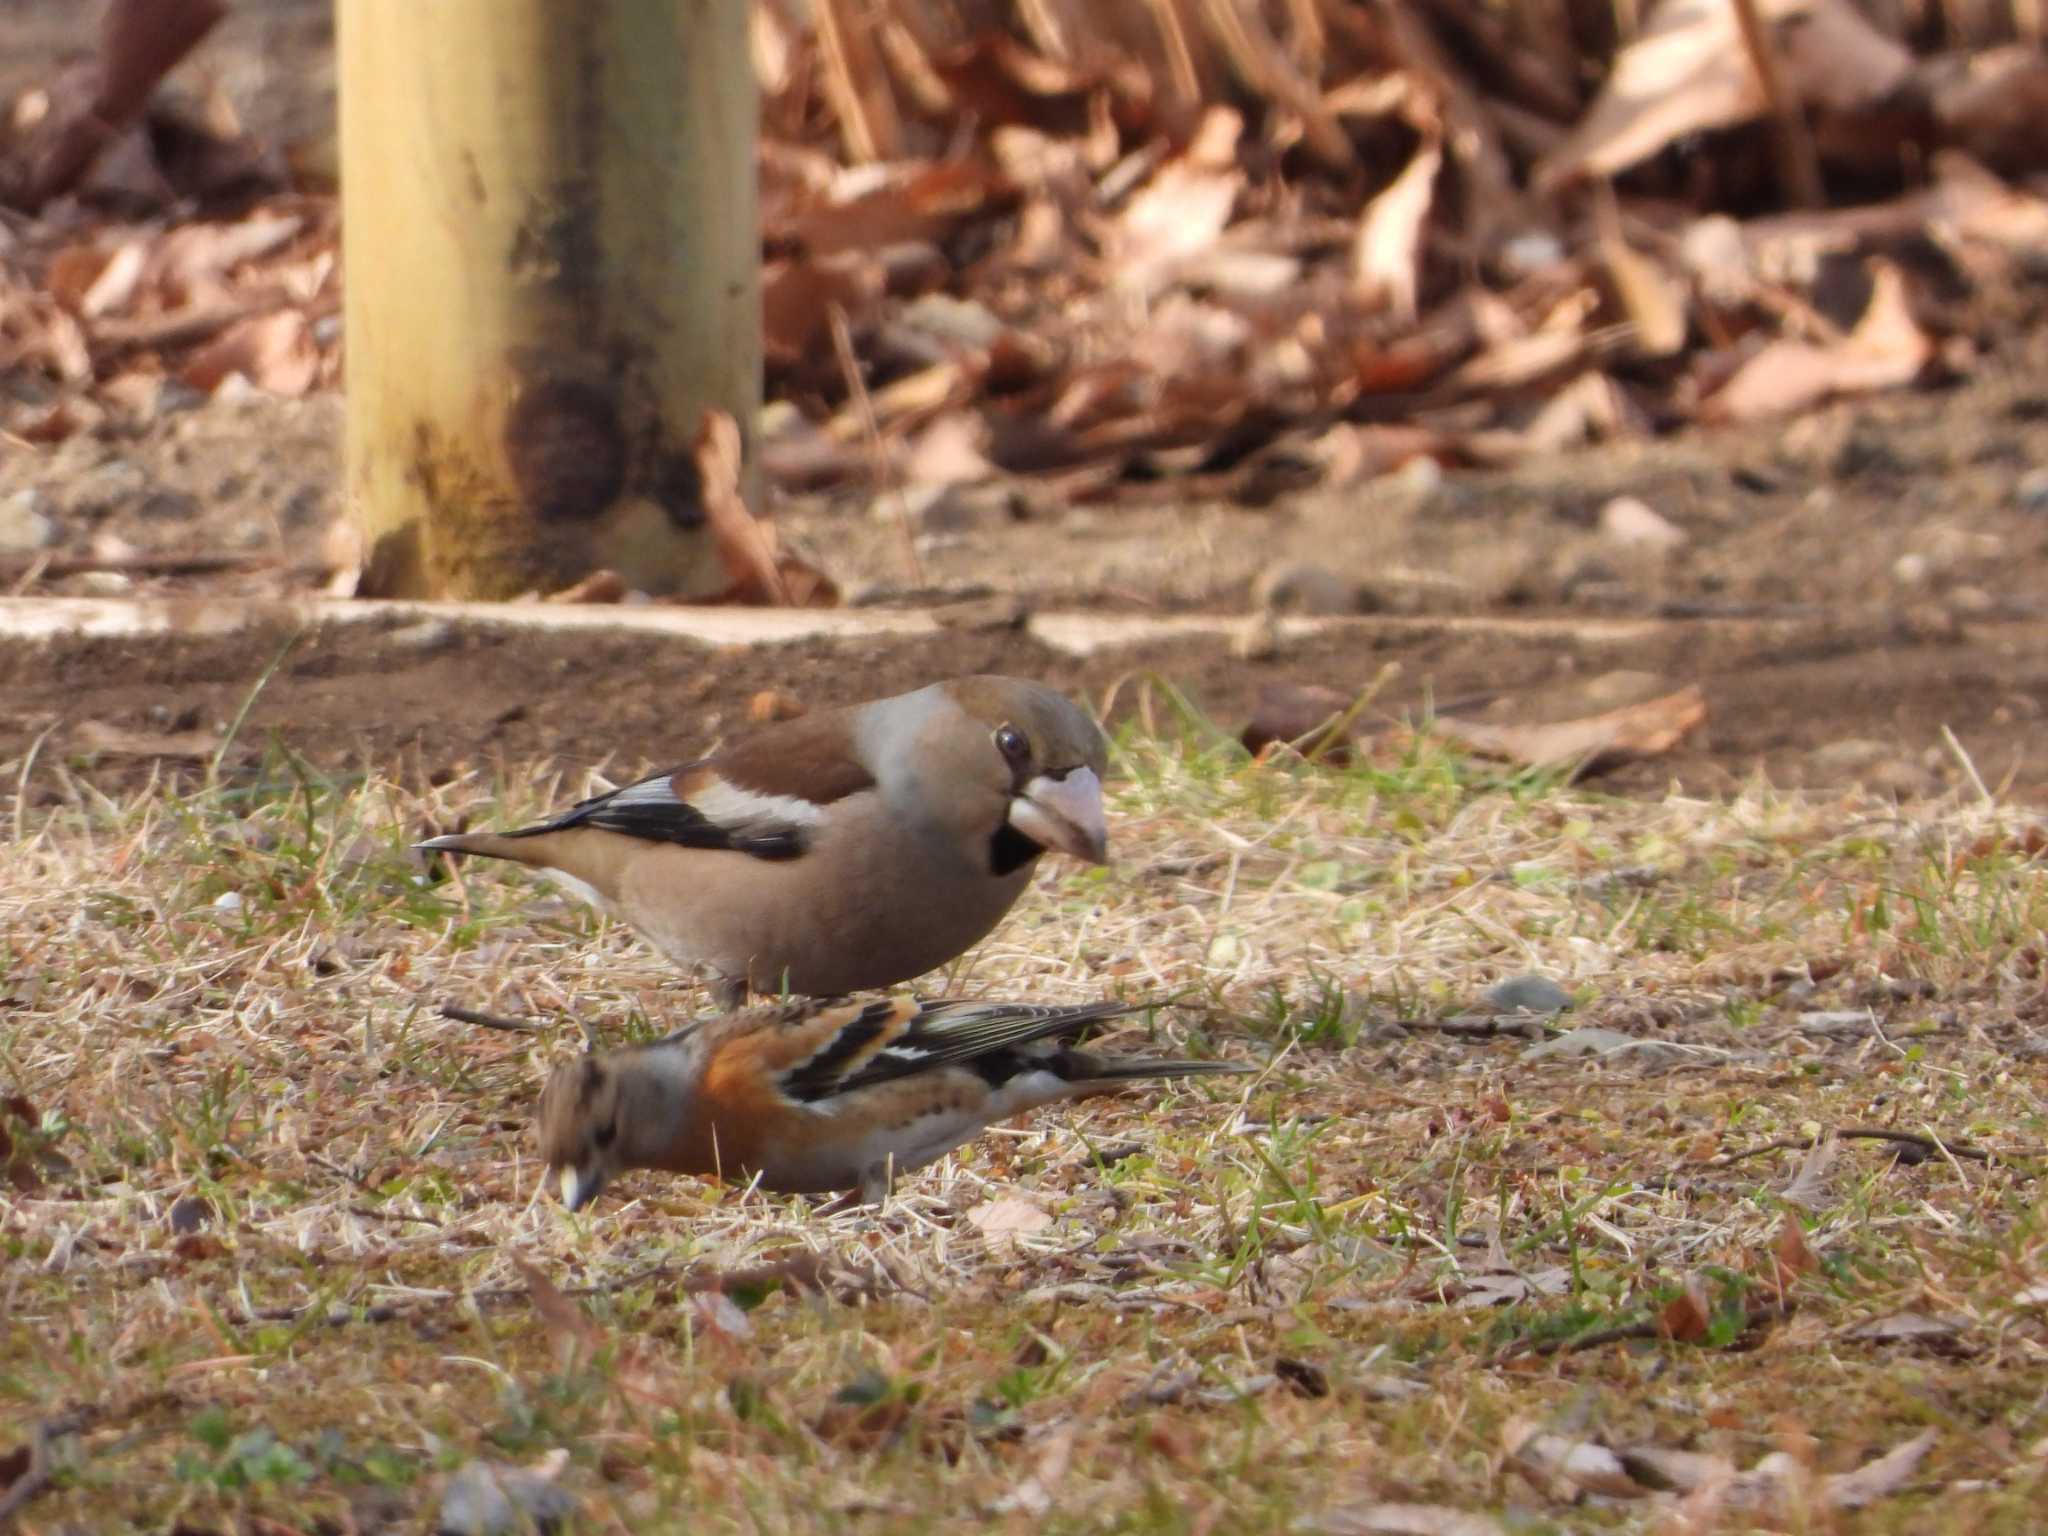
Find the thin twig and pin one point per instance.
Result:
(461, 1015)
(1860, 1133)
(878, 464)
(40, 567)
(1798, 162)
(1649, 1328)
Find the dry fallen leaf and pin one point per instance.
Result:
(1034, 1495)
(1888, 348)
(274, 352)
(92, 280)
(1886, 1475)
(1398, 1520)
(1650, 297)
(1563, 1465)
(193, 261)
(1687, 71)
(1687, 1316)
(1670, 1470)
(1809, 1186)
(756, 570)
(1386, 255)
(1179, 214)
(1501, 1287)
(568, 1325)
(722, 1315)
(1594, 743)
(1910, 1328)
(1008, 1216)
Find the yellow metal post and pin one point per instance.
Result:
(553, 269)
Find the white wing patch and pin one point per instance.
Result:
(728, 805)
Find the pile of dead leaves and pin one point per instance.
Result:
(1228, 246)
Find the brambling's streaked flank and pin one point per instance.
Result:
(849, 849)
(812, 1100)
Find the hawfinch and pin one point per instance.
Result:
(813, 1100)
(844, 850)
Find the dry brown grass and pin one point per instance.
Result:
(265, 1235)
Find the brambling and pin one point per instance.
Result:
(849, 849)
(813, 1100)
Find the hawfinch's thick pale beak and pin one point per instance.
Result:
(1064, 813)
(579, 1188)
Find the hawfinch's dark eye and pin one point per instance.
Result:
(1011, 743)
(606, 1134)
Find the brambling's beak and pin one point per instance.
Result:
(579, 1186)
(1064, 813)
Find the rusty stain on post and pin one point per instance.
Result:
(550, 234)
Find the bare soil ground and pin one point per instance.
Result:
(1849, 587)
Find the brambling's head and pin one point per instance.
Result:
(579, 1128)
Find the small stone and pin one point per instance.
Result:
(228, 903)
(24, 526)
(943, 508)
(1296, 586)
(189, 1213)
(1844, 1021)
(1526, 994)
(1419, 479)
(963, 321)
(105, 583)
(168, 507)
(1636, 524)
(1910, 569)
(492, 1498)
(426, 636)
(2032, 492)
(1533, 251)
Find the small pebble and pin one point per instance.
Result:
(1297, 586)
(1526, 994)
(24, 526)
(427, 635)
(2032, 492)
(1531, 252)
(491, 1498)
(1635, 524)
(1419, 479)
